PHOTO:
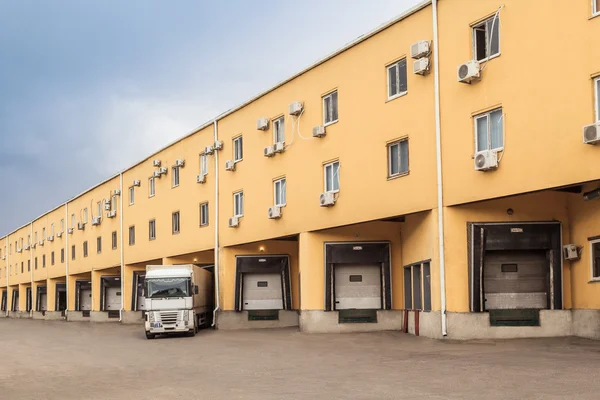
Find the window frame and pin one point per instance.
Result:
(387, 76)
(85, 218)
(325, 111)
(203, 164)
(281, 181)
(62, 225)
(238, 139)
(483, 23)
(131, 195)
(52, 259)
(85, 249)
(43, 261)
(240, 194)
(597, 94)
(595, 8)
(152, 229)
(593, 278)
(331, 163)
(279, 129)
(131, 231)
(176, 178)
(62, 256)
(99, 245)
(487, 115)
(389, 146)
(202, 206)
(114, 238)
(422, 283)
(151, 186)
(73, 248)
(176, 216)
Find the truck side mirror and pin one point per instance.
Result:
(196, 289)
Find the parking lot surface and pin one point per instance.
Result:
(60, 360)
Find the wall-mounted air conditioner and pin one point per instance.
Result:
(296, 108)
(59, 234)
(180, 163)
(156, 174)
(201, 178)
(96, 220)
(111, 214)
(234, 222)
(218, 145)
(51, 238)
(279, 147)
(571, 252)
(209, 150)
(327, 199)
(419, 49)
(229, 165)
(137, 182)
(269, 151)
(274, 212)
(163, 170)
(70, 231)
(486, 160)
(3, 258)
(41, 242)
(421, 66)
(469, 71)
(80, 226)
(319, 131)
(591, 133)
(156, 163)
(117, 192)
(19, 250)
(106, 205)
(27, 247)
(262, 124)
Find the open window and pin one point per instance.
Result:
(486, 39)
(417, 286)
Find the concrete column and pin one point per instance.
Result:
(71, 293)
(311, 270)
(51, 294)
(96, 290)
(22, 297)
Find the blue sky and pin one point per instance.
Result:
(89, 87)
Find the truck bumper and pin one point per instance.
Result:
(179, 327)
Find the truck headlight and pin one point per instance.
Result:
(186, 316)
(151, 316)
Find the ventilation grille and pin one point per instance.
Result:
(590, 133)
(463, 71)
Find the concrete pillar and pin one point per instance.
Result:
(311, 270)
(96, 290)
(23, 297)
(71, 292)
(51, 294)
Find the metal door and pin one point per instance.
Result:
(516, 279)
(113, 298)
(357, 286)
(140, 293)
(43, 302)
(85, 303)
(262, 292)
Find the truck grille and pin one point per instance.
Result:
(169, 317)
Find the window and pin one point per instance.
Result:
(85, 216)
(43, 234)
(131, 235)
(486, 43)
(99, 209)
(113, 203)
(62, 225)
(131, 195)
(330, 108)
(597, 90)
(279, 130)
(35, 240)
(85, 248)
(398, 158)
(417, 287)
(175, 176)
(279, 192)
(73, 221)
(203, 164)
(238, 149)
(62, 256)
(204, 214)
(332, 177)
(73, 252)
(23, 265)
(152, 229)
(99, 245)
(595, 7)
(52, 258)
(29, 264)
(489, 131)
(175, 219)
(238, 204)
(114, 240)
(28, 240)
(595, 258)
(52, 229)
(397, 80)
(151, 187)
(43, 261)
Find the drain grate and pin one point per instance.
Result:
(263, 315)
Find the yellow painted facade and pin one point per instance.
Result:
(545, 103)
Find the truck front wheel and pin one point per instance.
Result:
(150, 335)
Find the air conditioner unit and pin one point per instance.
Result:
(117, 192)
(486, 160)
(156, 174)
(218, 145)
(262, 124)
(59, 234)
(111, 214)
(591, 133)
(70, 231)
(269, 151)
(571, 252)
(137, 182)
(163, 170)
(421, 66)
(19, 250)
(27, 247)
(296, 108)
(180, 163)
(209, 150)
(274, 212)
(33, 245)
(229, 165)
(51, 238)
(419, 49)
(96, 220)
(156, 163)
(80, 226)
(234, 222)
(279, 147)
(469, 71)
(200, 178)
(319, 131)
(3, 258)
(41, 242)
(327, 199)
(107, 205)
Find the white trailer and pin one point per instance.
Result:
(178, 299)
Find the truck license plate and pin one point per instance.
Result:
(156, 325)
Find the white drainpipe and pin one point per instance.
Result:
(438, 153)
(7, 265)
(31, 266)
(121, 250)
(216, 206)
(66, 234)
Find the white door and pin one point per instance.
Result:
(113, 298)
(357, 286)
(141, 298)
(86, 300)
(43, 302)
(262, 292)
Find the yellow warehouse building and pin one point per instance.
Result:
(437, 175)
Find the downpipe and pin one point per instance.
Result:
(216, 251)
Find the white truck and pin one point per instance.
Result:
(178, 299)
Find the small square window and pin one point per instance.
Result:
(330, 108)
(152, 229)
(238, 204)
(279, 192)
(204, 214)
(332, 177)
(397, 79)
(489, 131)
(398, 158)
(151, 187)
(595, 259)
(279, 130)
(131, 235)
(176, 176)
(176, 222)
(238, 149)
(486, 39)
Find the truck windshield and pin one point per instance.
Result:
(167, 287)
